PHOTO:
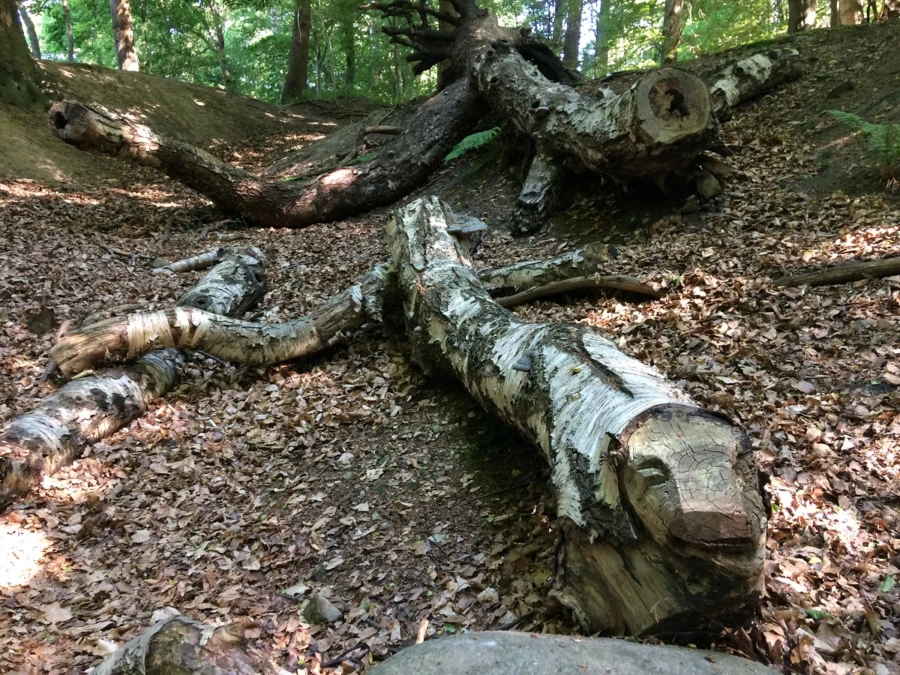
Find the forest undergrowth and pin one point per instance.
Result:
(351, 476)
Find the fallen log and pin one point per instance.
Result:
(430, 133)
(123, 338)
(662, 516)
(187, 647)
(88, 409)
(751, 77)
(843, 274)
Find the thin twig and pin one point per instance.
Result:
(423, 630)
(168, 231)
(336, 661)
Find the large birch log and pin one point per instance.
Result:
(88, 409)
(660, 504)
(751, 77)
(430, 133)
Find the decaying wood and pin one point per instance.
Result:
(538, 195)
(88, 409)
(431, 131)
(202, 261)
(751, 77)
(843, 274)
(187, 647)
(660, 503)
(123, 338)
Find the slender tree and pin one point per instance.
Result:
(32, 33)
(672, 26)
(123, 31)
(217, 36)
(70, 34)
(572, 38)
(604, 36)
(801, 15)
(559, 22)
(298, 61)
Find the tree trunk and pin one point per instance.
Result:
(835, 14)
(801, 15)
(218, 39)
(604, 37)
(660, 504)
(70, 34)
(32, 33)
(673, 24)
(850, 12)
(298, 61)
(349, 40)
(19, 75)
(752, 77)
(572, 39)
(436, 126)
(85, 410)
(539, 193)
(890, 10)
(123, 31)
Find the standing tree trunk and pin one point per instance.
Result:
(218, 38)
(673, 24)
(559, 22)
(890, 10)
(604, 37)
(835, 14)
(348, 36)
(801, 15)
(572, 39)
(298, 61)
(19, 75)
(659, 502)
(32, 33)
(850, 12)
(70, 34)
(123, 31)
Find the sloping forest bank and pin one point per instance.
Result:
(352, 476)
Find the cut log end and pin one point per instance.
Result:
(672, 105)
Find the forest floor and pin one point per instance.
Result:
(350, 475)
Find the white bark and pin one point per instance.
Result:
(614, 432)
(752, 76)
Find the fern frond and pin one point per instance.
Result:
(472, 142)
(882, 139)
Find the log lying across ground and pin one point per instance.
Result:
(663, 518)
(842, 274)
(121, 339)
(88, 409)
(751, 77)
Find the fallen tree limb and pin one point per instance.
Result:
(435, 127)
(198, 262)
(663, 519)
(751, 77)
(88, 409)
(120, 339)
(843, 274)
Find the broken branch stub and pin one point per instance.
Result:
(660, 503)
(88, 409)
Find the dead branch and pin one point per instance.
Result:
(843, 274)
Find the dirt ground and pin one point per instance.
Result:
(350, 475)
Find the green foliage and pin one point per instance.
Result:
(882, 140)
(472, 142)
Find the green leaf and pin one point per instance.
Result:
(887, 584)
(817, 614)
(472, 142)
(362, 158)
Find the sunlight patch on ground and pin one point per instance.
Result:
(20, 554)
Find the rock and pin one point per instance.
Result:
(691, 205)
(500, 653)
(320, 610)
(708, 186)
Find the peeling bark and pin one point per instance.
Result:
(539, 193)
(88, 409)
(660, 502)
(187, 647)
(435, 127)
(752, 77)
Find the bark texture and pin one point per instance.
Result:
(660, 501)
(298, 60)
(752, 77)
(435, 127)
(661, 123)
(539, 193)
(19, 79)
(801, 15)
(186, 647)
(88, 409)
(571, 50)
(842, 274)
(123, 31)
(70, 34)
(673, 24)
(30, 30)
(850, 12)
